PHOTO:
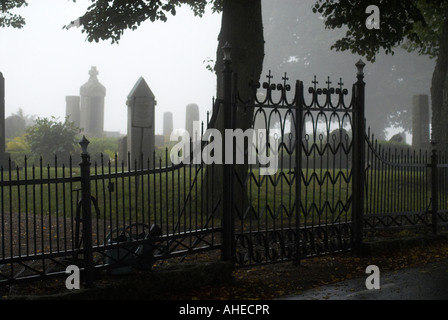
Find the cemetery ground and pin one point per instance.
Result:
(196, 279)
(186, 281)
(259, 282)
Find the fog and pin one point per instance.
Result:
(298, 43)
(42, 63)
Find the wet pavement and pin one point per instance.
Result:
(428, 282)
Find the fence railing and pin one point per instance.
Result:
(38, 206)
(404, 188)
(331, 190)
(103, 216)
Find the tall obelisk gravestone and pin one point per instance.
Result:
(167, 123)
(140, 139)
(92, 105)
(4, 157)
(420, 122)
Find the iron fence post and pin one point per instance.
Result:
(228, 247)
(434, 190)
(298, 163)
(358, 156)
(86, 212)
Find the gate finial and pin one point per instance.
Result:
(227, 49)
(84, 143)
(360, 66)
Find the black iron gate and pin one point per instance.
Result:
(299, 192)
(296, 192)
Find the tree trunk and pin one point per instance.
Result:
(439, 94)
(242, 28)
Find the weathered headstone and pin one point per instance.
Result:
(4, 156)
(398, 137)
(14, 126)
(72, 109)
(192, 114)
(339, 152)
(141, 105)
(420, 122)
(92, 105)
(167, 123)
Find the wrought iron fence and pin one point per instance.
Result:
(38, 220)
(173, 209)
(333, 185)
(305, 208)
(405, 188)
(103, 216)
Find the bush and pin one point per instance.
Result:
(107, 147)
(50, 137)
(19, 149)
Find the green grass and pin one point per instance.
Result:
(166, 198)
(181, 198)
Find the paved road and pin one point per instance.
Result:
(429, 282)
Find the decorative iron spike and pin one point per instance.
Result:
(286, 86)
(315, 82)
(84, 143)
(340, 89)
(227, 50)
(285, 78)
(360, 66)
(269, 76)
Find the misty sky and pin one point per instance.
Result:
(42, 63)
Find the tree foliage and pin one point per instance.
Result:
(18, 148)
(429, 33)
(50, 137)
(7, 17)
(415, 23)
(27, 118)
(420, 25)
(305, 52)
(107, 20)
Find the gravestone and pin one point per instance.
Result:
(72, 109)
(4, 156)
(420, 122)
(191, 115)
(15, 126)
(398, 137)
(92, 105)
(167, 123)
(140, 138)
(339, 152)
(122, 156)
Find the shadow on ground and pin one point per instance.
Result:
(199, 280)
